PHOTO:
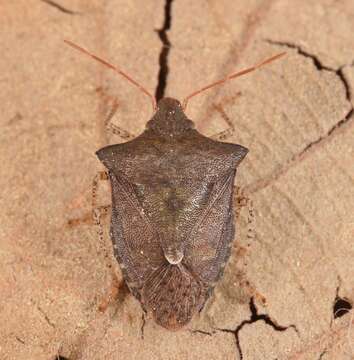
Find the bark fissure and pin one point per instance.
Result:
(143, 323)
(254, 318)
(329, 132)
(201, 332)
(321, 67)
(60, 7)
(166, 45)
(318, 64)
(260, 184)
(341, 305)
(322, 354)
(49, 322)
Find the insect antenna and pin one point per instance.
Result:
(114, 68)
(232, 76)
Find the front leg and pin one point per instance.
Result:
(115, 129)
(219, 108)
(229, 131)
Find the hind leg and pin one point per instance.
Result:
(117, 291)
(241, 200)
(117, 287)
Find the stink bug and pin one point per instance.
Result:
(172, 222)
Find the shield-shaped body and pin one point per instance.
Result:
(172, 220)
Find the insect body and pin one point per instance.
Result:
(172, 221)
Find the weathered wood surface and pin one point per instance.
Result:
(295, 116)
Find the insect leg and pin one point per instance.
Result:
(251, 292)
(87, 218)
(96, 210)
(117, 282)
(115, 129)
(117, 290)
(225, 134)
(242, 200)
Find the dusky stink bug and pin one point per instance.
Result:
(172, 223)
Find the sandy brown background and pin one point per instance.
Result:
(295, 116)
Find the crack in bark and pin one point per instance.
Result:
(166, 45)
(60, 7)
(254, 318)
(341, 305)
(202, 332)
(283, 169)
(329, 132)
(50, 323)
(260, 184)
(20, 340)
(314, 58)
(340, 74)
(142, 328)
(322, 353)
(318, 64)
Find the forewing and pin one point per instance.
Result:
(173, 295)
(208, 245)
(136, 243)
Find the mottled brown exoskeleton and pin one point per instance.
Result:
(172, 222)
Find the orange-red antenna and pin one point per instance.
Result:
(232, 76)
(116, 69)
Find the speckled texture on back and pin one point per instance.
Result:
(172, 219)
